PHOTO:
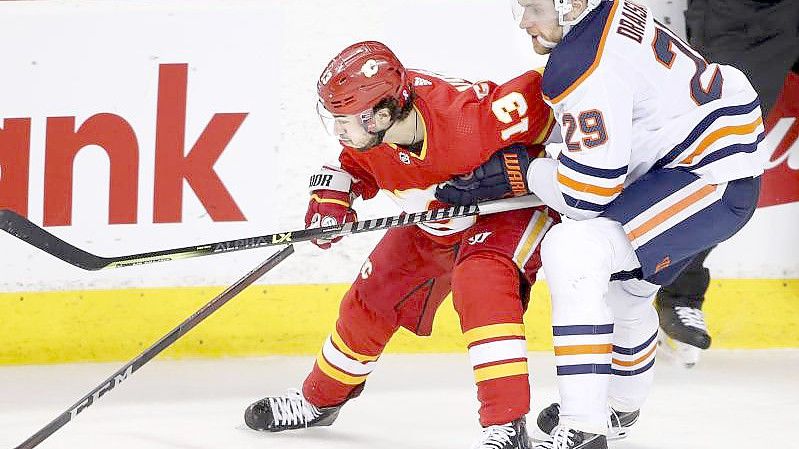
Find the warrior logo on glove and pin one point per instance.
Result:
(503, 175)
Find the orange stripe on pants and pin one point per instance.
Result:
(671, 211)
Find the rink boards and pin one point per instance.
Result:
(93, 128)
(104, 325)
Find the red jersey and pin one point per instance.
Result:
(464, 124)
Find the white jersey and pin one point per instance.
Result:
(630, 97)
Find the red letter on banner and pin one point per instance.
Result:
(117, 138)
(15, 146)
(171, 166)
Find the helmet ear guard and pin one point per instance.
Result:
(560, 8)
(564, 7)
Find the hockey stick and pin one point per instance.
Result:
(25, 230)
(131, 367)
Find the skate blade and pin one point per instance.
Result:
(682, 353)
(539, 442)
(617, 435)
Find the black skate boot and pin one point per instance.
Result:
(684, 323)
(679, 305)
(289, 412)
(618, 422)
(512, 435)
(566, 438)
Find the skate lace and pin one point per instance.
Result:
(562, 437)
(292, 409)
(495, 437)
(691, 317)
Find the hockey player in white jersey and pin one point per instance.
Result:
(660, 161)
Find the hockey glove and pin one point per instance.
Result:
(330, 202)
(503, 174)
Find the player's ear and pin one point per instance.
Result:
(382, 118)
(577, 7)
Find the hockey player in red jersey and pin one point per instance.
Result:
(404, 132)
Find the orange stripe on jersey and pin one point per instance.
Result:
(671, 211)
(583, 349)
(636, 361)
(720, 133)
(590, 188)
(598, 56)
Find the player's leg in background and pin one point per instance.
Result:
(666, 246)
(679, 306)
(402, 283)
(720, 30)
(497, 264)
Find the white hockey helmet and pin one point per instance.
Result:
(547, 9)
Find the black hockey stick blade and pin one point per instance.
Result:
(23, 229)
(165, 341)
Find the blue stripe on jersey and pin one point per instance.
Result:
(621, 372)
(592, 171)
(588, 368)
(730, 150)
(582, 329)
(583, 204)
(578, 50)
(635, 350)
(702, 127)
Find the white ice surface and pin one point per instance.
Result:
(732, 399)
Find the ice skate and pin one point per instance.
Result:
(683, 331)
(512, 435)
(618, 422)
(289, 412)
(564, 437)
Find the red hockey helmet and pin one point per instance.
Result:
(359, 77)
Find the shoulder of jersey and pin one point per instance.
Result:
(580, 52)
(420, 79)
(437, 88)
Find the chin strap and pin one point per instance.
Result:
(547, 44)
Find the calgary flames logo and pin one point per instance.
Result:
(370, 68)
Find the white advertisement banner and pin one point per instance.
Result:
(128, 127)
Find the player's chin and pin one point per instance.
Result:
(375, 141)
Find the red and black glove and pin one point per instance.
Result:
(504, 174)
(330, 203)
